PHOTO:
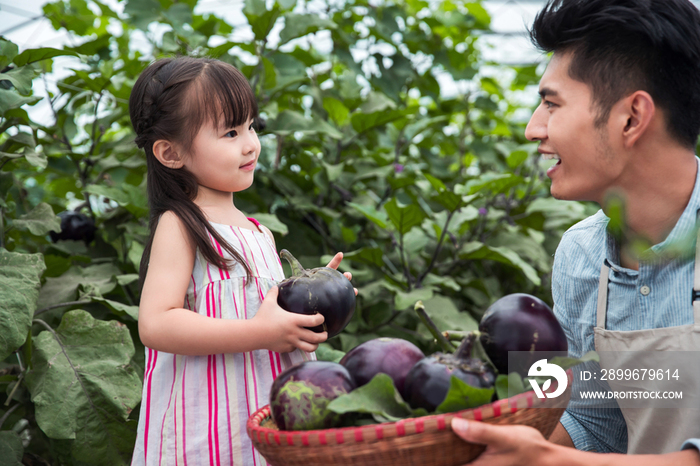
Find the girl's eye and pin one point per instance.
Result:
(232, 134)
(251, 128)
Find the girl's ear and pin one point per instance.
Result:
(167, 154)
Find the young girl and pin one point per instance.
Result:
(215, 337)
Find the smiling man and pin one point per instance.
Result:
(620, 112)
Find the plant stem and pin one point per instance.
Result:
(437, 249)
(297, 269)
(55, 306)
(9, 411)
(428, 322)
(12, 393)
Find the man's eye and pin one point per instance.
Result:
(232, 134)
(548, 104)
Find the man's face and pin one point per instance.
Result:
(564, 124)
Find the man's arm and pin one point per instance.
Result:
(561, 437)
(519, 445)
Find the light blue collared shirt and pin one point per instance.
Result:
(575, 277)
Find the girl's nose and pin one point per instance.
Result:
(536, 129)
(250, 143)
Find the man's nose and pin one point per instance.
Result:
(536, 129)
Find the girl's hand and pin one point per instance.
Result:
(335, 262)
(284, 331)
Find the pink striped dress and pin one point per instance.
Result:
(194, 408)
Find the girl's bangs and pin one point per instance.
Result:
(222, 96)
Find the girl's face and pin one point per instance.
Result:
(224, 159)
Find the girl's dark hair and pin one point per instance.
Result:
(621, 46)
(172, 99)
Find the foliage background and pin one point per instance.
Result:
(431, 197)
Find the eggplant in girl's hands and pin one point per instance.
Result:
(520, 322)
(428, 382)
(318, 291)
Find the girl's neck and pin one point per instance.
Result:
(218, 206)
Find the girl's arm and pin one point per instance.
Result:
(165, 325)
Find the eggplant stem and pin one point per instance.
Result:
(455, 335)
(297, 269)
(428, 322)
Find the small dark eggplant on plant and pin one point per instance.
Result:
(318, 291)
(75, 226)
(521, 322)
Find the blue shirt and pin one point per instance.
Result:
(575, 277)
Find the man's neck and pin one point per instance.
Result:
(656, 192)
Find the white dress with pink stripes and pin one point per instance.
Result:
(194, 408)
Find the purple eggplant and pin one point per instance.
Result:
(392, 356)
(318, 291)
(428, 382)
(520, 322)
(299, 395)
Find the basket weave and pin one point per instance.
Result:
(424, 441)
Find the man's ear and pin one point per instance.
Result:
(167, 154)
(641, 111)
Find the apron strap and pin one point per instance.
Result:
(696, 281)
(603, 296)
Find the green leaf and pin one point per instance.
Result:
(301, 25)
(325, 352)
(517, 158)
(142, 12)
(463, 396)
(8, 51)
(11, 449)
(272, 222)
(336, 110)
(567, 363)
(480, 251)
(446, 316)
(63, 289)
(34, 55)
(509, 385)
(39, 221)
(21, 78)
(362, 122)
(11, 99)
(404, 218)
(289, 121)
(83, 387)
(20, 279)
(378, 397)
(118, 308)
(445, 197)
(260, 19)
(379, 218)
(405, 300)
(373, 256)
(493, 182)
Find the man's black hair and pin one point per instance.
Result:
(621, 46)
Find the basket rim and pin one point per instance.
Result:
(415, 425)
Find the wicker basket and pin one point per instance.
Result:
(421, 441)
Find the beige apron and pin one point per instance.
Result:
(651, 430)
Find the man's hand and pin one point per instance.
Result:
(521, 445)
(505, 445)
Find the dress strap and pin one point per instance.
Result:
(256, 223)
